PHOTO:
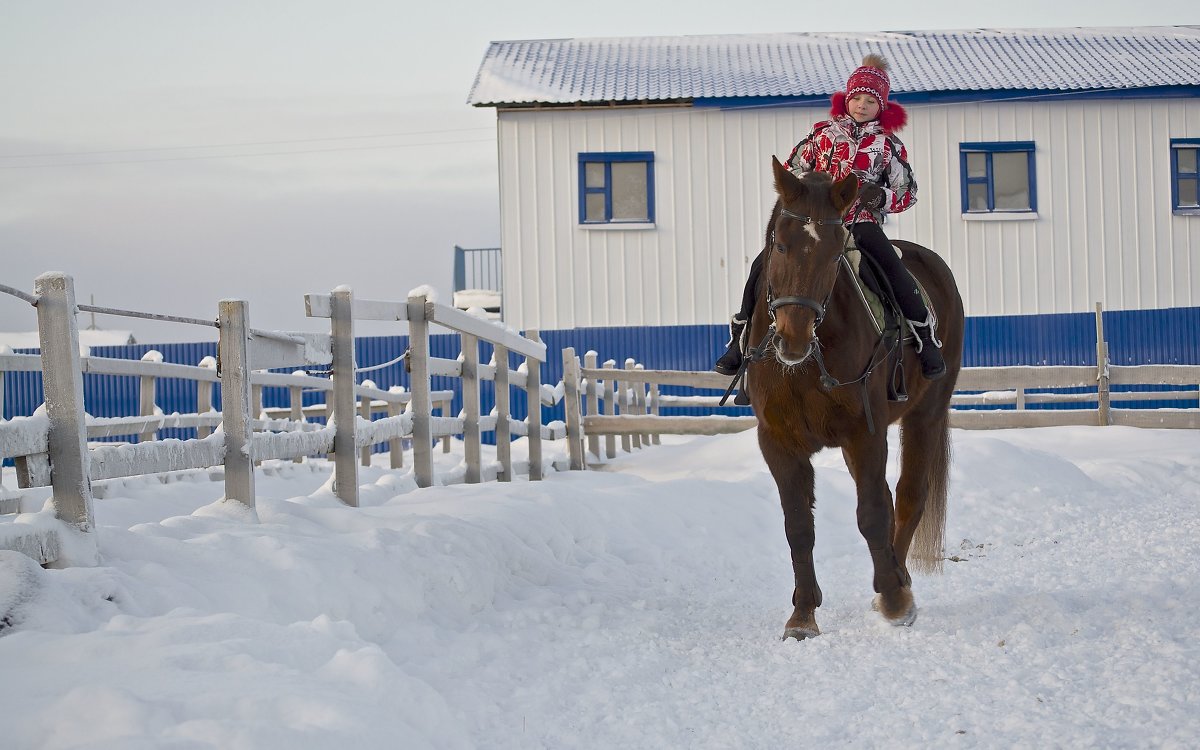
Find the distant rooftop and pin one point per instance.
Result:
(687, 68)
(88, 337)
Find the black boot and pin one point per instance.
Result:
(731, 361)
(929, 349)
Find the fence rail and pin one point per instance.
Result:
(604, 404)
(54, 446)
(607, 403)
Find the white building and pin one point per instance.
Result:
(1057, 168)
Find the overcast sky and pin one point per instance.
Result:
(171, 154)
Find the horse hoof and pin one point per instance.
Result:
(800, 633)
(905, 618)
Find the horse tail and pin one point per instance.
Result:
(927, 553)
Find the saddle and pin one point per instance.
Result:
(880, 301)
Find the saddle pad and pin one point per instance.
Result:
(870, 299)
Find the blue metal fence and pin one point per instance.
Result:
(1170, 336)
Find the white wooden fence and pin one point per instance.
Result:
(606, 403)
(1011, 386)
(603, 403)
(52, 447)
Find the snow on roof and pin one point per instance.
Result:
(809, 64)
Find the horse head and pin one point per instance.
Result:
(801, 267)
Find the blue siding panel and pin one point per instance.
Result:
(1170, 336)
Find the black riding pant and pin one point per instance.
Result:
(872, 241)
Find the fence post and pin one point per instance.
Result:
(345, 454)
(639, 400)
(256, 409)
(396, 444)
(503, 414)
(533, 390)
(233, 367)
(422, 403)
(1103, 404)
(610, 408)
(147, 386)
(571, 408)
(364, 411)
(470, 391)
(296, 405)
(62, 379)
(445, 441)
(204, 396)
(593, 401)
(655, 437)
(632, 407)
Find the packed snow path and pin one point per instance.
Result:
(635, 607)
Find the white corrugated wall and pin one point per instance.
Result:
(1104, 232)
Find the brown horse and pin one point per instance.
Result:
(826, 386)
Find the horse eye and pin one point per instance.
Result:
(779, 247)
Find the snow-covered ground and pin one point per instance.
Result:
(635, 607)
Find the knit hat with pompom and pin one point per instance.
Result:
(872, 78)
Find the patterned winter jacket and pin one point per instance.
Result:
(841, 146)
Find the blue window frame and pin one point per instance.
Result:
(616, 187)
(1185, 175)
(998, 177)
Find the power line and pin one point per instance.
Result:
(238, 145)
(240, 156)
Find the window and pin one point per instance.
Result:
(616, 188)
(998, 177)
(1185, 175)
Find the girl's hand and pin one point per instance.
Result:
(871, 196)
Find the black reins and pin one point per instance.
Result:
(828, 382)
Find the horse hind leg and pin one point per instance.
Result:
(921, 493)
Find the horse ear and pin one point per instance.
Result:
(787, 184)
(844, 192)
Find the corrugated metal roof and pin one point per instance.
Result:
(565, 71)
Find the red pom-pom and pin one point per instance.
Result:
(893, 118)
(839, 104)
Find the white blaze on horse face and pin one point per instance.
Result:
(811, 228)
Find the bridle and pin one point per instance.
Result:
(758, 353)
(773, 302)
(828, 382)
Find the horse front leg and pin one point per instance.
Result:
(866, 458)
(794, 476)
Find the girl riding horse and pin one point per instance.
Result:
(860, 140)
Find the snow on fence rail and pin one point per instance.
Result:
(606, 402)
(342, 310)
(51, 447)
